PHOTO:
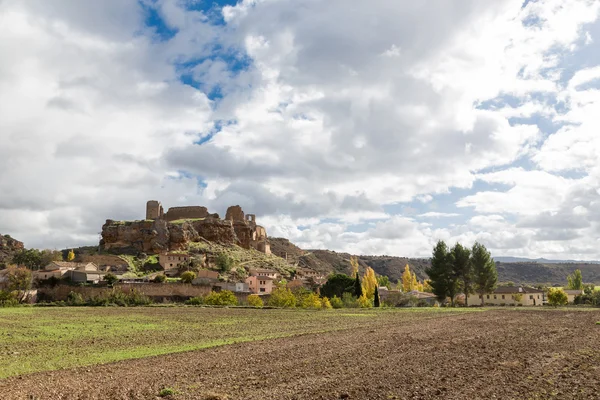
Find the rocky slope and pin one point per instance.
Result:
(8, 248)
(153, 237)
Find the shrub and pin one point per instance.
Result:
(224, 262)
(160, 278)
(7, 299)
(336, 302)
(188, 277)
(120, 298)
(325, 303)
(557, 297)
(282, 297)
(195, 301)
(166, 392)
(349, 300)
(364, 301)
(254, 300)
(311, 300)
(75, 299)
(222, 298)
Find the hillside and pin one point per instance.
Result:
(326, 261)
(8, 248)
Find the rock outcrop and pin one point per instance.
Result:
(157, 236)
(8, 248)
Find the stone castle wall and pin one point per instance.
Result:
(192, 212)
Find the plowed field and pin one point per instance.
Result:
(294, 354)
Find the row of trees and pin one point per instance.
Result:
(35, 259)
(460, 269)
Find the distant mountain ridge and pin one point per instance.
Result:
(542, 260)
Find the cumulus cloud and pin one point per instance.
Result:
(340, 127)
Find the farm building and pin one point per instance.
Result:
(510, 295)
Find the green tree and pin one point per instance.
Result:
(336, 302)
(31, 258)
(222, 298)
(575, 280)
(224, 262)
(485, 275)
(255, 301)
(311, 300)
(376, 298)
(557, 297)
(444, 281)
(19, 280)
(282, 297)
(462, 269)
(160, 278)
(188, 277)
(383, 280)
(336, 285)
(357, 287)
(111, 279)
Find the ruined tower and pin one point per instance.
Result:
(154, 209)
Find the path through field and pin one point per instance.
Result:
(502, 354)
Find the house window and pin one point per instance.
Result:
(170, 265)
(531, 297)
(481, 296)
(502, 297)
(495, 297)
(488, 296)
(538, 296)
(262, 289)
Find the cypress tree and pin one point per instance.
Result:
(357, 287)
(376, 299)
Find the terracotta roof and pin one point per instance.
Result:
(263, 277)
(515, 290)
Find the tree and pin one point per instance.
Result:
(427, 286)
(383, 280)
(357, 287)
(71, 255)
(485, 275)
(224, 262)
(364, 302)
(376, 298)
(222, 298)
(31, 259)
(160, 278)
(19, 280)
(111, 279)
(311, 300)
(407, 280)
(557, 297)
(48, 256)
(255, 301)
(336, 285)
(188, 277)
(282, 297)
(444, 282)
(354, 265)
(369, 283)
(461, 264)
(575, 280)
(336, 302)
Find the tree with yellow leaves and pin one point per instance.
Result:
(71, 255)
(354, 264)
(427, 286)
(369, 283)
(407, 279)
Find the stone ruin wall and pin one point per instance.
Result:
(192, 212)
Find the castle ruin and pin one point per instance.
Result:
(235, 215)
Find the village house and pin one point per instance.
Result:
(572, 293)
(510, 295)
(428, 298)
(304, 273)
(170, 261)
(58, 269)
(88, 273)
(206, 277)
(260, 284)
(265, 272)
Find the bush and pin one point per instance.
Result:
(111, 278)
(120, 298)
(166, 392)
(254, 300)
(336, 302)
(160, 278)
(222, 298)
(311, 300)
(325, 303)
(224, 262)
(282, 297)
(364, 302)
(349, 300)
(195, 301)
(7, 299)
(557, 297)
(75, 299)
(188, 277)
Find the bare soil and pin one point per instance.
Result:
(498, 354)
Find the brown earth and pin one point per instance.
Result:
(500, 354)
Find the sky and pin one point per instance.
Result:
(374, 127)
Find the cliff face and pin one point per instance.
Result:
(8, 248)
(159, 235)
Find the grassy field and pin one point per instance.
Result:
(44, 339)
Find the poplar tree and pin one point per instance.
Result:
(71, 255)
(575, 281)
(461, 264)
(407, 279)
(485, 275)
(369, 283)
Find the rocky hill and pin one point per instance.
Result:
(8, 248)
